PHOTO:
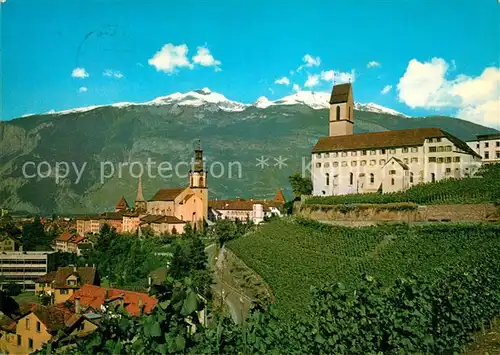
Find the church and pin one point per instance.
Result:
(388, 161)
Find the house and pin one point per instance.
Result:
(163, 224)
(487, 146)
(62, 284)
(39, 325)
(347, 163)
(246, 209)
(98, 299)
(24, 267)
(8, 243)
(68, 242)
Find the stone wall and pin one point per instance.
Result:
(402, 212)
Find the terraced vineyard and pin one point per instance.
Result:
(294, 254)
(484, 186)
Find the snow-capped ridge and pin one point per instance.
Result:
(262, 102)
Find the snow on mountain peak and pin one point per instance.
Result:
(262, 102)
(372, 107)
(206, 90)
(315, 100)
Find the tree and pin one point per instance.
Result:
(225, 230)
(300, 185)
(34, 235)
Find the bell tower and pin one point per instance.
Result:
(140, 204)
(198, 178)
(341, 110)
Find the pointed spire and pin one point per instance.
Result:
(198, 145)
(140, 196)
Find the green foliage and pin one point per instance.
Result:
(309, 253)
(34, 236)
(481, 188)
(300, 185)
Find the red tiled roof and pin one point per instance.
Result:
(167, 194)
(95, 296)
(122, 204)
(49, 277)
(279, 196)
(66, 237)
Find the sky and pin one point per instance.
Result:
(419, 57)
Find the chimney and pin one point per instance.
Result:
(77, 305)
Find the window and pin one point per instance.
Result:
(447, 160)
(335, 154)
(373, 152)
(19, 340)
(344, 154)
(497, 155)
(432, 159)
(432, 150)
(392, 151)
(318, 165)
(372, 178)
(382, 151)
(351, 178)
(354, 163)
(353, 154)
(486, 155)
(440, 160)
(363, 162)
(498, 144)
(326, 165)
(414, 160)
(392, 181)
(456, 159)
(327, 179)
(448, 170)
(433, 177)
(440, 149)
(326, 155)
(361, 176)
(73, 282)
(338, 113)
(438, 140)
(447, 148)
(392, 172)
(405, 150)
(411, 178)
(335, 164)
(382, 161)
(30, 343)
(318, 155)
(486, 144)
(477, 146)
(344, 163)
(27, 323)
(38, 327)
(405, 160)
(363, 152)
(373, 162)
(414, 149)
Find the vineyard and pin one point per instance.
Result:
(292, 255)
(482, 187)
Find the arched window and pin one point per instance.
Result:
(411, 178)
(327, 179)
(392, 181)
(433, 177)
(338, 113)
(351, 178)
(372, 178)
(201, 181)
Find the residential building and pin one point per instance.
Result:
(163, 224)
(487, 146)
(39, 325)
(8, 243)
(68, 242)
(346, 163)
(62, 284)
(24, 267)
(246, 209)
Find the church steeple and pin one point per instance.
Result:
(140, 203)
(198, 176)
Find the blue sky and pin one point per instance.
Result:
(436, 57)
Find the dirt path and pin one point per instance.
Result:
(487, 344)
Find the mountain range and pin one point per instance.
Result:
(256, 145)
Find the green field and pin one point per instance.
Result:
(484, 186)
(294, 254)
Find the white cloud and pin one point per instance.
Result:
(79, 73)
(171, 57)
(338, 76)
(309, 61)
(386, 89)
(112, 73)
(328, 75)
(296, 87)
(83, 89)
(282, 81)
(373, 64)
(204, 58)
(424, 84)
(312, 81)
(2, 1)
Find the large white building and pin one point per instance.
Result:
(487, 146)
(24, 267)
(347, 163)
